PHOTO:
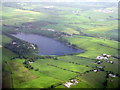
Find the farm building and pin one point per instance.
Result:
(14, 43)
(95, 70)
(99, 57)
(103, 57)
(68, 84)
(112, 75)
(72, 82)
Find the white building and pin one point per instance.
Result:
(112, 75)
(14, 43)
(68, 84)
(99, 57)
(95, 70)
(105, 58)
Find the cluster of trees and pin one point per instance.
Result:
(27, 65)
(74, 63)
(110, 72)
(21, 48)
(33, 58)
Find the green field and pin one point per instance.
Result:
(92, 27)
(94, 46)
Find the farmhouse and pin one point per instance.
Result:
(68, 84)
(33, 46)
(47, 7)
(112, 75)
(95, 70)
(103, 57)
(99, 62)
(108, 56)
(72, 82)
(51, 30)
(99, 57)
(110, 62)
(30, 62)
(14, 43)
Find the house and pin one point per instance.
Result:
(99, 62)
(111, 62)
(95, 70)
(99, 57)
(112, 75)
(51, 30)
(30, 62)
(72, 82)
(14, 43)
(108, 56)
(105, 58)
(33, 46)
(104, 55)
(47, 7)
(68, 84)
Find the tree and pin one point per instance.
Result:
(52, 86)
(37, 69)
(32, 67)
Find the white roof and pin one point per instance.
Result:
(112, 75)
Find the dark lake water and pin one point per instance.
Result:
(46, 45)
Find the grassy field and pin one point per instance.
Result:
(93, 77)
(94, 46)
(92, 27)
(52, 71)
(6, 40)
(113, 82)
(18, 16)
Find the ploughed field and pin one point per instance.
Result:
(91, 27)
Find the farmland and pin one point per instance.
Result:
(91, 27)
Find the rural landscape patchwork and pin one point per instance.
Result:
(60, 45)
